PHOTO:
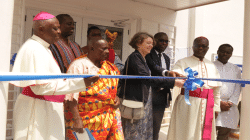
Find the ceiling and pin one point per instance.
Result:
(177, 5)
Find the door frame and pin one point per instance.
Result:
(104, 22)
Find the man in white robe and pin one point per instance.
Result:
(38, 116)
(187, 121)
(228, 118)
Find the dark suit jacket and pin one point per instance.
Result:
(160, 97)
(136, 88)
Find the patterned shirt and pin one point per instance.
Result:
(65, 54)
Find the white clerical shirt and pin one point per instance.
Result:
(229, 92)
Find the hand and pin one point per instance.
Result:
(90, 80)
(230, 103)
(179, 83)
(216, 114)
(117, 102)
(225, 106)
(174, 74)
(78, 125)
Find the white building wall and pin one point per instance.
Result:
(143, 17)
(181, 24)
(18, 25)
(16, 42)
(6, 17)
(220, 23)
(182, 34)
(108, 9)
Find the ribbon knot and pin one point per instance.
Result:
(191, 83)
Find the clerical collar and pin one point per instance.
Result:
(40, 40)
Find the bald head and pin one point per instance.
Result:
(95, 41)
(98, 49)
(48, 30)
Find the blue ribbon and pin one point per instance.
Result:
(74, 133)
(24, 77)
(91, 137)
(9, 76)
(13, 59)
(191, 83)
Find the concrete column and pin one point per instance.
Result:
(6, 16)
(245, 111)
(191, 30)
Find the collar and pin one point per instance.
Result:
(156, 51)
(136, 51)
(61, 40)
(196, 58)
(220, 63)
(40, 40)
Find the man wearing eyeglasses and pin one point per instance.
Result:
(196, 121)
(159, 64)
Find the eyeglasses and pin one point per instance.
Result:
(198, 46)
(162, 41)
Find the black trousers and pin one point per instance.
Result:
(158, 112)
(223, 133)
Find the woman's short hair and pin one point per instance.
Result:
(138, 38)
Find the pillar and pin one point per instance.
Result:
(245, 111)
(6, 16)
(191, 30)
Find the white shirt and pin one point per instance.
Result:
(81, 66)
(163, 63)
(229, 92)
(36, 119)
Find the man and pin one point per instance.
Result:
(95, 32)
(229, 92)
(196, 121)
(97, 105)
(161, 96)
(38, 112)
(64, 50)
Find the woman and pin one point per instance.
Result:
(139, 89)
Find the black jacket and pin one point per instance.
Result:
(135, 88)
(160, 97)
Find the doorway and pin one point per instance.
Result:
(118, 43)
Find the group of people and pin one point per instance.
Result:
(60, 109)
